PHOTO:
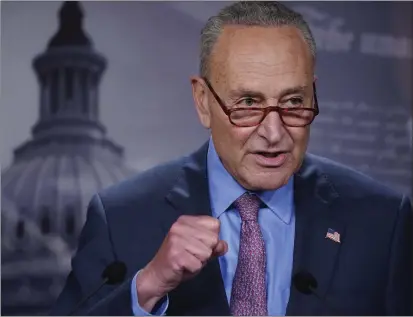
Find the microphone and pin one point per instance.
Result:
(306, 283)
(113, 274)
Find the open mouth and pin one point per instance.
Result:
(270, 154)
(270, 159)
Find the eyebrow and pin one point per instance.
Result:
(245, 92)
(252, 93)
(294, 90)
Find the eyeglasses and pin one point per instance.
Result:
(253, 116)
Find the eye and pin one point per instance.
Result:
(295, 102)
(248, 101)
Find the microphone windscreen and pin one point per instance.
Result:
(305, 282)
(115, 272)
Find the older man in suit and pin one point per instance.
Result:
(224, 230)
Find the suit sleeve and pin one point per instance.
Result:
(94, 253)
(399, 292)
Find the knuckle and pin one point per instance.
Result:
(208, 254)
(172, 230)
(173, 252)
(215, 224)
(200, 265)
(182, 219)
(205, 254)
(195, 267)
(176, 265)
(173, 239)
(214, 240)
(176, 259)
(175, 228)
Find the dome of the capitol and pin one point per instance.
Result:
(56, 187)
(69, 157)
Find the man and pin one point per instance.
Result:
(224, 230)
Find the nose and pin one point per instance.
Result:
(272, 128)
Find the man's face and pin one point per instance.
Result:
(258, 67)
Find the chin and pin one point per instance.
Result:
(267, 180)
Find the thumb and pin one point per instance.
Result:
(220, 249)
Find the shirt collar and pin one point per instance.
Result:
(224, 190)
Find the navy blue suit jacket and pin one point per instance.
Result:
(368, 273)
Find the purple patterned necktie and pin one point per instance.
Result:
(249, 294)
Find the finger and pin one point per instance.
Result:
(207, 237)
(197, 248)
(182, 243)
(190, 263)
(206, 222)
(220, 249)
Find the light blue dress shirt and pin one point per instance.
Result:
(277, 222)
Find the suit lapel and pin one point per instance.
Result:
(313, 252)
(204, 294)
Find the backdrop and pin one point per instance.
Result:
(85, 108)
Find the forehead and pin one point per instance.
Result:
(247, 53)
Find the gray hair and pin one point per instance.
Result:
(253, 13)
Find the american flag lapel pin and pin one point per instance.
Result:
(333, 235)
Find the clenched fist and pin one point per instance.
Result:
(190, 243)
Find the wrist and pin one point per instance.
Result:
(148, 292)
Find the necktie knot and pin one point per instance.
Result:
(248, 206)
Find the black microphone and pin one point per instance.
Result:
(113, 274)
(306, 283)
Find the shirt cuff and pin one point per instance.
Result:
(158, 310)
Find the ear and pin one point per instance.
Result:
(200, 95)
